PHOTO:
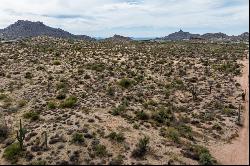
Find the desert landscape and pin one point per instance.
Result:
(69, 101)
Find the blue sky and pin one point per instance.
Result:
(134, 18)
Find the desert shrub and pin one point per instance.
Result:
(32, 115)
(227, 111)
(185, 131)
(86, 77)
(4, 130)
(164, 116)
(177, 84)
(119, 110)
(136, 126)
(56, 63)
(97, 67)
(142, 148)
(206, 159)
(100, 150)
(78, 138)
(61, 85)
(139, 78)
(3, 96)
(51, 105)
(69, 102)
(142, 115)
(111, 91)
(217, 127)
(22, 103)
(118, 160)
(38, 162)
(28, 75)
(125, 83)
(202, 154)
(61, 96)
(12, 152)
(173, 134)
(119, 137)
(150, 102)
(218, 105)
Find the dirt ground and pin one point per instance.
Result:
(237, 152)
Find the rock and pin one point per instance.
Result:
(35, 148)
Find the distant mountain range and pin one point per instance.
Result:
(25, 29)
(181, 35)
(118, 38)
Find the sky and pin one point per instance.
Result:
(133, 18)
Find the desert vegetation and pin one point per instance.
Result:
(78, 102)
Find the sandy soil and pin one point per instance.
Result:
(237, 153)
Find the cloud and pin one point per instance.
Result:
(131, 17)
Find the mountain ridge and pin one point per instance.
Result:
(24, 29)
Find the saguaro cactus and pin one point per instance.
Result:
(194, 92)
(45, 139)
(21, 135)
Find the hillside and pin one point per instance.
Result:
(24, 29)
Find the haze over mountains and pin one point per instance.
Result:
(24, 29)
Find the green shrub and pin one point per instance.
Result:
(39, 162)
(56, 63)
(61, 85)
(78, 138)
(142, 148)
(69, 102)
(22, 103)
(125, 83)
(206, 159)
(51, 105)
(119, 110)
(100, 150)
(111, 91)
(173, 134)
(32, 115)
(97, 67)
(142, 115)
(164, 116)
(119, 137)
(3, 96)
(118, 160)
(28, 75)
(12, 152)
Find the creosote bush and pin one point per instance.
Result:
(100, 150)
(142, 148)
(12, 152)
(51, 105)
(78, 138)
(32, 115)
(69, 102)
(125, 83)
(119, 137)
